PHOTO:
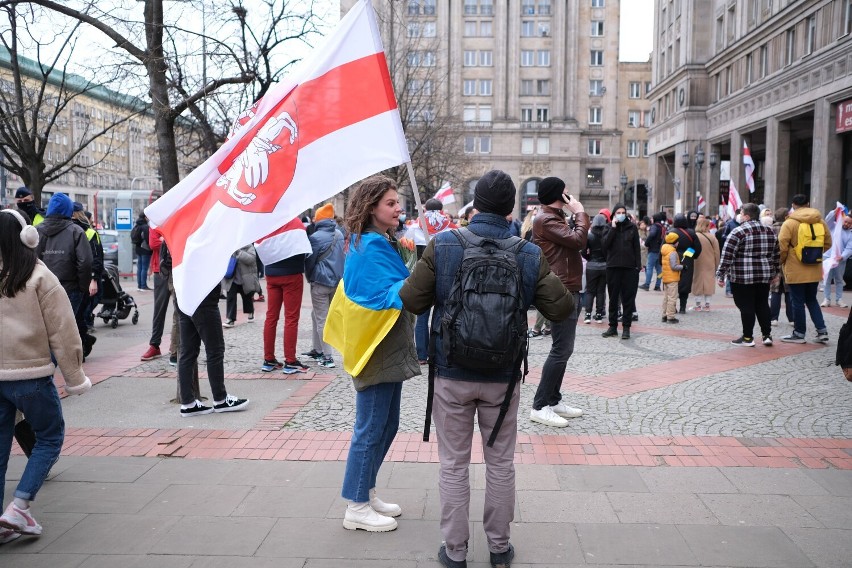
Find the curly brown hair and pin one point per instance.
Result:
(365, 197)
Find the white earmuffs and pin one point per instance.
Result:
(29, 234)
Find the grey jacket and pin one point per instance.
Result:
(327, 245)
(65, 250)
(245, 272)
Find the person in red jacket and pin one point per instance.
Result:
(162, 295)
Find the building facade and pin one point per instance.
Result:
(534, 84)
(775, 75)
(634, 118)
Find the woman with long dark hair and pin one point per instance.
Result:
(368, 324)
(36, 320)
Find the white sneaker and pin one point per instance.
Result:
(566, 411)
(382, 508)
(826, 303)
(363, 516)
(547, 417)
(19, 520)
(841, 304)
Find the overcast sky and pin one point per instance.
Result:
(637, 29)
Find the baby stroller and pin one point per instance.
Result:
(116, 302)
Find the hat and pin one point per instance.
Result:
(494, 193)
(22, 192)
(61, 205)
(550, 189)
(671, 238)
(324, 212)
(78, 206)
(433, 205)
(606, 213)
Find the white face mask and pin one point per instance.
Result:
(766, 221)
(620, 217)
(402, 218)
(740, 219)
(712, 231)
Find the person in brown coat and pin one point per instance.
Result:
(703, 278)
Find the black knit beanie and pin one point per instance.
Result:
(550, 189)
(494, 193)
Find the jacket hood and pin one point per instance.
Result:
(806, 215)
(671, 238)
(60, 205)
(326, 225)
(680, 221)
(599, 221)
(54, 225)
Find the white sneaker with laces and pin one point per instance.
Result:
(363, 516)
(547, 417)
(19, 520)
(826, 303)
(841, 304)
(382, 508)
(565, 411)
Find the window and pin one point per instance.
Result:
(544, 29)
(527, 86)
(810, 47)
(597, 58)
(527, 145)
(720, 33)
(847, 20)
(527, 28)
(469, 113)
(597, 3)
(413, 29)
(469, 87)
(427, 87)
(485, 87)
(633, 118)
(486, 7)
(527, 58)
(764, 61)
(596, 88)
(597, 28)
(595, 115)
(469, 144)
(469, 58)
(470, 7)
(543, 58)
(413, 58)
(528, 7)
(430, 29)
(413, 7)
(429, 59)
(542, 87)
(484, 144)
(749, 69)
(484, 113)
(429, 7)
(542, 114)
(632, 148)
(732, 23)
(485, 29)
(526, 114)
(634, 90)
(542, 146)
(469, 28)
(645, 149)
(729, 80)
(647, 87)
(594, 178)
(543, 7)
(790, 51)
(485, 58)
(646, 119)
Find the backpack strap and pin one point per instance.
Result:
(813, 233)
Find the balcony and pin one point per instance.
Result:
(536, 125)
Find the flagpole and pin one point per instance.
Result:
(420, 216)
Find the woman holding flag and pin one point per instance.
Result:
(369, 326)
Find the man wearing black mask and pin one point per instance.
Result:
(26, 203)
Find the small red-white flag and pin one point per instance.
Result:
(831, 256)
(748, 163)
(333, 122)
(701, 203)
(289, 240)
(734, 201)
(445, 194)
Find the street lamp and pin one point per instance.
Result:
(699, 163)
(623, 180)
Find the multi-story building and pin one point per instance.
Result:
(775, 75)
(532, 83)
(634, 117)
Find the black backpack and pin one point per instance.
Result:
(484, 322)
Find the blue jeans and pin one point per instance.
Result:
(39, 401)
(376, 423)
(563, 333)
(836, 275)
(142, 262)
(79, 303)
(654, 264)
(806, 295)
(421, 336)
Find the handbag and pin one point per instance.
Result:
(25, 436)
(232, 267)
(843, 358)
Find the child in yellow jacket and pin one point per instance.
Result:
(671, 276)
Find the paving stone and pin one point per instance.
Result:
(759, 510)
(79, 497)
(414, 476)
(268, 473)
(218, 536)
(317, 538)
(115, 534)
(833, 512)
(773, 481)
(247, 562)
(41, 560)
(138, 561)
(107, 469)
(564, 507)
(371, 563)
(200, 500)
(600, 478)
(535, 543)
(54, 524)
(652, 545)
(824, 547)
(188, 472)
(836, 481)
(286, 502)
(743, 546)
(663, 508)
(685, 480)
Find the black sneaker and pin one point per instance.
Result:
(644, 287)
(196, 410)
(610, 332)
(503, 559)
(665, 319)
(231, 404)
(294, 366)
(673, 320)
(173, 360)
(273, 365)
(598, 318)
(625, 333)
(447, 561)
(313, 354)
(767, 340)
(743, 341)
(588, 318)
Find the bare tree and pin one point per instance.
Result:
(36, 105)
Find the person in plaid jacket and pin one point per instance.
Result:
(751, 259)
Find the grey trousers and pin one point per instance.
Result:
(320, 300)
(453, 410)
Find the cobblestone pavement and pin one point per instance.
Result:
(799, 395)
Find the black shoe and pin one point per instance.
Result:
(231, 404)
(503, 559)
(173, 360)
(195, 410)
(313, 354)
(643, 287)
(657, 289)
(682, 310)
(598, 318)
(673, 320)
(449, 562)
(610, 332)
(665, 319)
(635, 316)
(588, 318)
(294, 366)
(625, 333)
(88, 342)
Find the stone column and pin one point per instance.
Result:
(826, 157)
(777, 181)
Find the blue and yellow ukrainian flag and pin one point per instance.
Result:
(366, 304)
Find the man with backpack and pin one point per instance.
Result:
(561, 244)
(654, 241)
(481, 281)
(803, 239)
(139, 238)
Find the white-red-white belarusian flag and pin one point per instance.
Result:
(289, 240)
(734, 201)
(701, 203)
(445, 194)
(748, 163)
(830, 261)
(333, 122)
